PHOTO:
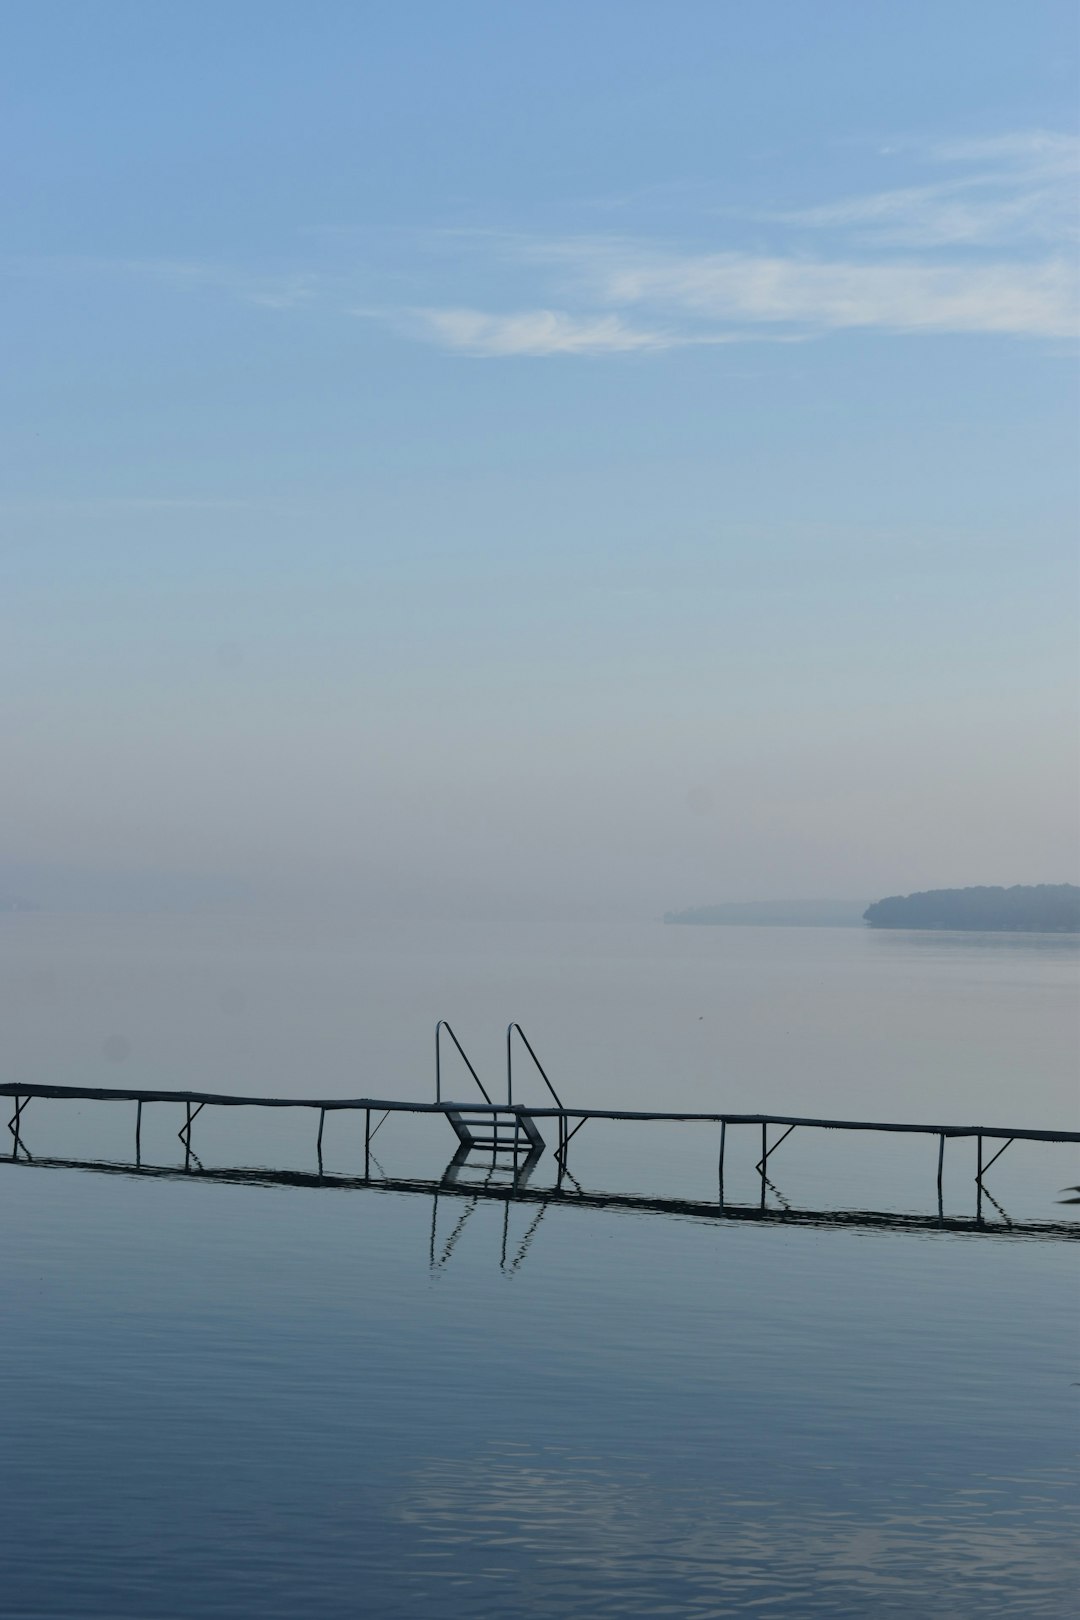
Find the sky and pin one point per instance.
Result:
(486, 457)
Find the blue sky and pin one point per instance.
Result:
(496, 454)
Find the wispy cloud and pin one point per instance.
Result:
(985, 243)
(1009, 189)
(1022, 300)
(530, 332)
(1048, 147)
(687, 300)
(993, 204)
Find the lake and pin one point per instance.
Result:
(230, 1399)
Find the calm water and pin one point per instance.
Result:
(242, 1400)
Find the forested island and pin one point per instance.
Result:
(1040, 908)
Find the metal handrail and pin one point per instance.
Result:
(439, 1027)
(510, 1028)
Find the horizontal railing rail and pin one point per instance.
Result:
(397, 1105)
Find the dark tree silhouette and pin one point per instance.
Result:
(1041, 908)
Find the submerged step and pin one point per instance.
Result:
(508, 1130)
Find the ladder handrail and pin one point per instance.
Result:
(439, 1027)
(510, 1028)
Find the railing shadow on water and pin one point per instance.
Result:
(469, 1181)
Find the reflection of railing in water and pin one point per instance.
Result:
(566, 1193)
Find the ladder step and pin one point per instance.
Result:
(505, 1130)
(503, 1147)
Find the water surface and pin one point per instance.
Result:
(227, 1400)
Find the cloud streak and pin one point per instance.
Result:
(1017, 299)
(985, 246)
(650, 302)
(533, 332)
(990, 202)
(1015, 189)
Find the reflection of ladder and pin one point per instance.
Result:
(501, 1130)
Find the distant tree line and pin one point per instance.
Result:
(1041, 908)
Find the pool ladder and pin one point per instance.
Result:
(495, 1129)
(508, 1130)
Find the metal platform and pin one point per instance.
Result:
(514, 1128)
